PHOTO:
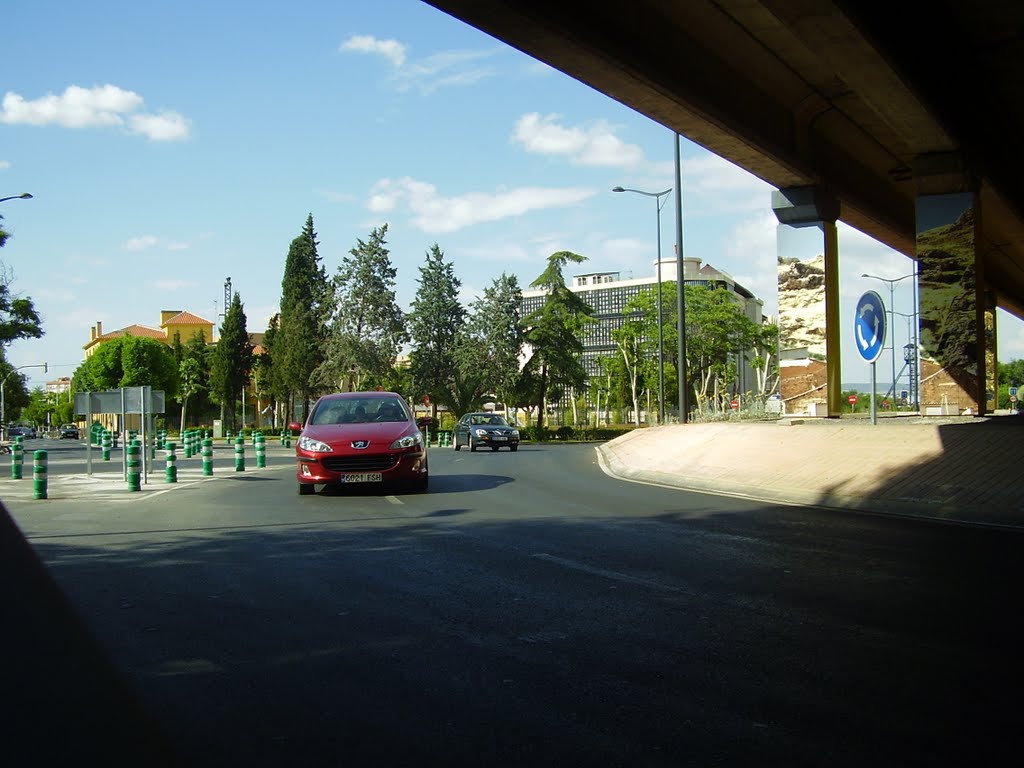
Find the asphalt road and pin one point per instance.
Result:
(530, 610)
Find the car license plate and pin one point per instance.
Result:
(362, 477)
(500, 437)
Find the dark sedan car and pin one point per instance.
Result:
(361, 437)
(486, 430)
(69, 432)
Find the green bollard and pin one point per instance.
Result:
(171, 473)
(239, 454)
(39, 475)
(17, 457)
(105, 444)
(261, 450)
(208, 457)
(134, 462)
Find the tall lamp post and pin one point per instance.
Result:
(22, 196)
(661, 349)
(3, 384)
(892, 319)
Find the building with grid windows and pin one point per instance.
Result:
(607, 293)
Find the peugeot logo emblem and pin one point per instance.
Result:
(360, 444)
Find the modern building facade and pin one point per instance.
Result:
(607, 293)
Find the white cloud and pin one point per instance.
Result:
(445, 69)
(140, 243)
(594, 145)
(4, 165)
(712, 186)
(440, 70)
(392, 50)
(167, 126)
(102, 106)
(434, 213)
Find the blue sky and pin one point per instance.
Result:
(172, 145)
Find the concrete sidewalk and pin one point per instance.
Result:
(967, 469)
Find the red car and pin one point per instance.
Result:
(361, 437)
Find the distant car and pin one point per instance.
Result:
(487, 430)
(16, 431)
(361, 437)
(69, 431)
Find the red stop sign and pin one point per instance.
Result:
(735, 403)
(852, 399)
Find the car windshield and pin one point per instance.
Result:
(488, 420)
(359, 411)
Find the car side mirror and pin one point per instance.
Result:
(295, 427)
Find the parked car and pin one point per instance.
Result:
(361, 437)
(488, 430)
(18, 431)
(69, 431)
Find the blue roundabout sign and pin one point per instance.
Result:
(869, 326)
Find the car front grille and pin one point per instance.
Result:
(377, 462)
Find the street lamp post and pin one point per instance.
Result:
(892, 321)
(22, 196)
(3, 384)
(661, 349)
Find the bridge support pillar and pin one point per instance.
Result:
(809, 324)
(956, 308)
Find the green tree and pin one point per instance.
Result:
(18, 316)
(552, 332)
(493, 338)
(435, 322)
(193, 372)
(271, 383)
(128, 361)
(297, 348)
(231, 361)
(716, 332)
(368, 327)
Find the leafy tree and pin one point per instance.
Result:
(368, 327)
(128, 361)
(18, 316)
(493, 338)
(630, 340)
(435, 323)
(193, 371)
(39, 408)
(716, 331)
(765, 360)
(16, 394)
(231, 362)
(297, 347)
(553, 333)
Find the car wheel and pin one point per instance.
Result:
(306, 489)
(513, 448)
(421, 484)
(494, 448)
(455, 443)
(472, 444)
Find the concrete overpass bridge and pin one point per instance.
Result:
(901, 121)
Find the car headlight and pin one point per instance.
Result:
(515, 433)
(480, 432)
(314, 446)
(409, 441)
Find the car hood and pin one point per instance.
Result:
(379, 434)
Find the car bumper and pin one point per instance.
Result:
(406, 468)
(496, 442)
